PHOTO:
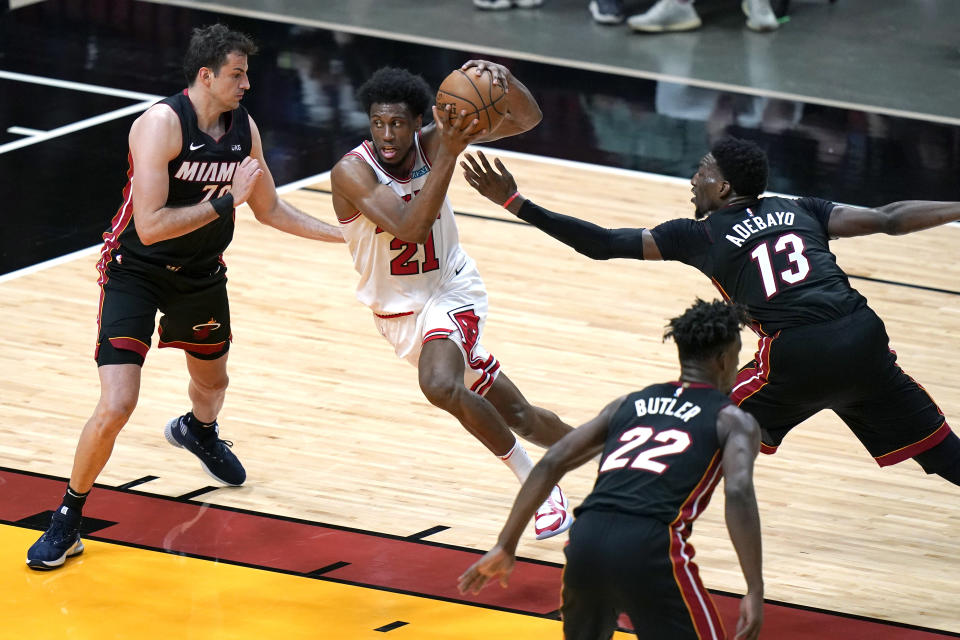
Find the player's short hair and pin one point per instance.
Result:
(743, 164)
(706, 329)
(209, 47)
(390, 85)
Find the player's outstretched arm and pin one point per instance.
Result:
(896, 218)
(271, 210)
(571, 451)
(523, 112)
(740, 435)
(591, 240)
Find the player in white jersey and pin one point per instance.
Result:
(390, 195)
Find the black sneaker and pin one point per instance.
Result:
(215, 455)
(60, 541)
(606, 11)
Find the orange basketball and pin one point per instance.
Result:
(477, 95)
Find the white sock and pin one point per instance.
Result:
(518, 461)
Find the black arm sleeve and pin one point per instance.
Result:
(585, 237)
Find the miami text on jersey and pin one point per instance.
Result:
(206, 171)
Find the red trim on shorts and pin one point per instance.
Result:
(488, 376)
(767, 449)
(387, 316)
(703, 612)
(190, 346)
(356, 214)
(436, 334)
(751, 379)
(130, 344)
(111, 241)
(911, 450)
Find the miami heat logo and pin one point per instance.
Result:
(202, 331)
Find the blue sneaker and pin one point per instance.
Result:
(215, 455)
(60, 541)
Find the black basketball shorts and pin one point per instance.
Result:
(847, 366)
(196, 313)
(619, 563)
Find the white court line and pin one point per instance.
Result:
(77, 86)
(560, 62)
(320, 177)
(24, 131)
(76, 126)
(39, 136)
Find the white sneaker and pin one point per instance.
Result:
(500, 5)
(554, 516)
(760, 17)
(666, 15)
(492, 5)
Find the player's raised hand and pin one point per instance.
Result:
(245, 179)
(495, 187)
(499, 72)
(457, 133)
(496, 563)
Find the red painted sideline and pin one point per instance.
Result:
(374, 560)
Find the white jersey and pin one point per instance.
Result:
(398, 277)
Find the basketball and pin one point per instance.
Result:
(477, 95)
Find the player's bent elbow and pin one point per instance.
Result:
(414, 235)
(146, 238)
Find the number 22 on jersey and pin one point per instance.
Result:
(675, 441)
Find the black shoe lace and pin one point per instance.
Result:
(60, 531)
(212, 445)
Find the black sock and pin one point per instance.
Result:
(74, 500)
(195, 425)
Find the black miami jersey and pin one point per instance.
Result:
(662, 456)
(772, 256)
(202, 170)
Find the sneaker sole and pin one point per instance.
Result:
(604, 18)
(555, 532)
(654, 28)
(755, 26)
(168, 434)
(47, 565)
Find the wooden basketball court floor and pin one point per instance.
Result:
(363, 503)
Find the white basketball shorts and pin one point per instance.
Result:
(457, 311)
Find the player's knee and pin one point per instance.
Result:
(441, 391)
(112, 414)
(212, 385)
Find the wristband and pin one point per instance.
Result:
(510, 199)
(223, 205)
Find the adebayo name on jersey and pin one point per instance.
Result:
(755, 224)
